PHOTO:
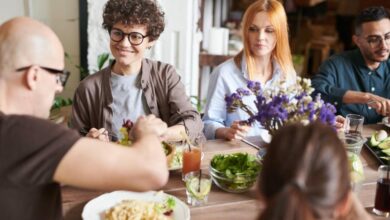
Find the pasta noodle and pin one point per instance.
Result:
(136, 210)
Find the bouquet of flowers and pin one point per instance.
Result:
(281, 105)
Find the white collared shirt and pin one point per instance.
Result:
(225, 80)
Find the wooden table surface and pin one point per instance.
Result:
(223, 205)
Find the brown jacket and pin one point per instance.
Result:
(164, 93)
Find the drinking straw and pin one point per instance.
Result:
(186, 129)
(200, 176)
(356, 128)
(187, 140)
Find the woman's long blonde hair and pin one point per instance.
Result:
(278, 19)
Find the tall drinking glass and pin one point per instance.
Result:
(191, 159)
(353, 144)
(382, 196)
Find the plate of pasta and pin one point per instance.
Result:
(127, 205)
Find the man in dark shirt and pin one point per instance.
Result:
(358, 81)
(36, 155)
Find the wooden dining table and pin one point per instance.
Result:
(221, 204)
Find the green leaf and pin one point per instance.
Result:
(197, 103)
(61, 102)
(102, 59)
(83, 72)
(171, 202)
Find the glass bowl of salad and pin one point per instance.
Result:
(235, 172)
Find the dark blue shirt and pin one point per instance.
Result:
(348, 71)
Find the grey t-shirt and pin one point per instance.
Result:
(128, 100)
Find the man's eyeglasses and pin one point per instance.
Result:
(376, 41)
(135, 38)
(62, 75)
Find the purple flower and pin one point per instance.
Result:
(300, 96)
(275, 110)
(254, 86)
(327, 114)
(243, 92)
(233, 102)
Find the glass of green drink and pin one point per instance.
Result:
(198, 185)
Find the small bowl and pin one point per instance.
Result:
(237, 183)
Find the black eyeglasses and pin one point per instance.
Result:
(376, 41)
(62, 75)
(135, 38)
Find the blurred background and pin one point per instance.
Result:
(207, 33)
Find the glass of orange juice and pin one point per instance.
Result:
(191, 159)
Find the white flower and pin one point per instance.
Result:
(305, 121)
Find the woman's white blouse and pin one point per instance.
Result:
(225, 80)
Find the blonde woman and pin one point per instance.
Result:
(266, 58)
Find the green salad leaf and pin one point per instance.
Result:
(236, 164)
(167, 206)
(238, 170)
(170, 203)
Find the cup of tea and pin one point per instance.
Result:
(382, 196)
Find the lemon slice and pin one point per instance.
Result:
(193, 187)
(355, 167)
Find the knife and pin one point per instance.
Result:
(251, 144)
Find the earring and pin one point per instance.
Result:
(149, 47)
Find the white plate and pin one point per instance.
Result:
(95, 209)
(385, 121)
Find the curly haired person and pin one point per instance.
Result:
(133, 85)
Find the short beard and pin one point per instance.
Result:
(370, 56)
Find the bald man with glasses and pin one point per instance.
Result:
(37, 155)
(62, 75)
(358, 81)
